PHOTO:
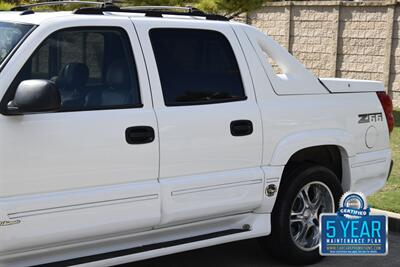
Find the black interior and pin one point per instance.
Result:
(92, 67)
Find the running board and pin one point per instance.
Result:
(142, 249)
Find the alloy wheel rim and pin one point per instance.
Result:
(311, 200)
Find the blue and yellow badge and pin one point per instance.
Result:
(352, 230)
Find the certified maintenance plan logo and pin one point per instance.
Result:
(352, 230)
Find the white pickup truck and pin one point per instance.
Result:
(131, 133)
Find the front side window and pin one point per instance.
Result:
(196, 67)
(93, 68)
(10, 35)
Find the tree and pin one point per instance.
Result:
(229, 8)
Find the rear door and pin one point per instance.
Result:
(89, 171)
(209, 123)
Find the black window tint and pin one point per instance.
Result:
(196, 67)
(92, 67)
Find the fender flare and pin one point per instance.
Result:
(293, 143)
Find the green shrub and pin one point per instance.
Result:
(5, 5)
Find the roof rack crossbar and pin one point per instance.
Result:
(56, 3)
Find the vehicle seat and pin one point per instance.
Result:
(72, 82)
(118, 90)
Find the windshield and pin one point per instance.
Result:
(10, 35)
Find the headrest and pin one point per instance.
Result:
(118, 75)
(73, 75)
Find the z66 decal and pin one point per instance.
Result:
(372, 117)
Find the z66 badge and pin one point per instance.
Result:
(352, 230)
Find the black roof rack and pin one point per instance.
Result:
(56, 3)
(108, 6)
(151, 11)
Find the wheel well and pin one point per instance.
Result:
(328, 156)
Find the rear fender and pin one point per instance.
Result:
(293, 143)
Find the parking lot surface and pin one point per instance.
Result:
(249, 254)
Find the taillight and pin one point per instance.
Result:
(387, 106)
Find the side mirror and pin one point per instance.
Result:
(34, 96)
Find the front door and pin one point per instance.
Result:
(90, 170)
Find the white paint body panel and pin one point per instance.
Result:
(79, 189)
(79, 215)
(203, 196)
(197, 148)
(72, 176)
(337, 85)
(295, 79)
(367, 170)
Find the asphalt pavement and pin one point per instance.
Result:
(249, 254)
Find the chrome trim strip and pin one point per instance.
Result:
(29, 213)
(215, 187)
(369, 162)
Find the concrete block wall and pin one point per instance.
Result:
(357, 40)
(395, 59)
(312, 37)
(361, 42)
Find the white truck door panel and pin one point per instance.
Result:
(210, 195)
(78, 215)
(205, 171)
(72, 176)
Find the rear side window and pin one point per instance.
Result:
(196, 67)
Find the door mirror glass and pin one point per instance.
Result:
(34, 96)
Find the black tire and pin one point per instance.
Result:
(280, 243)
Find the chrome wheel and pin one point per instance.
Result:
(312, 200)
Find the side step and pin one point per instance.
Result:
(146, 248)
